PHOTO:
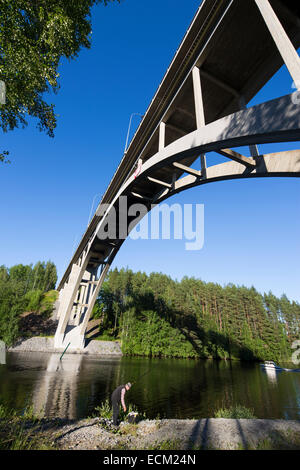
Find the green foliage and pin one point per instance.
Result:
(47, 302)
(235, 412)
(153, 336)
(156, 316)
(105, 336)
(3, 156)
(104, 410)
(24, 288)
(130, 409)
(168, 444)
(97, 311)
(11, 306)
(21, 432)
(33, 299)
(34, 37)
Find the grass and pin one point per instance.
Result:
(26, 431)
(129, 430)
(48, 300)
(21, 431)
(287, 440)
(167, 445)
(105, 411)
(235, 412)
(105, 337)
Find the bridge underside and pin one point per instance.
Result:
(199, 108)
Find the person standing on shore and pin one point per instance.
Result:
(117, 398)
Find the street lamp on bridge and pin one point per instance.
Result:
(129, 127)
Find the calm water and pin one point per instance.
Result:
(172, 388)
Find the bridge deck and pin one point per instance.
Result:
(230, 43)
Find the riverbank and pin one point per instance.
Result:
(46, 345)
(170, 434)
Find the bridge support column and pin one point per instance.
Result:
(86, 290)
(281, 39)
(254, 152)
(199, 110)
(93, 299)
(66, 302)
(162, 136)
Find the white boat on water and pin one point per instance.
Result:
(270, 365)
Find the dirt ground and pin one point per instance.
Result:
(212, 433)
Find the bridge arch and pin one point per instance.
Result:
(159, 164)
(230, 131)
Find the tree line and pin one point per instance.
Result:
(23, 288)
(154, 315)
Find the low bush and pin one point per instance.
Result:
(235, 412)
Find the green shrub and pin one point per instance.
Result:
(104, 410)
(33, 300)
(105, 336)
(47, 302)
(21, 432)
(235, 412)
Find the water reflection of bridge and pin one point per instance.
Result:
(65, 386)
(56, 391)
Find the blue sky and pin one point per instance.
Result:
(252, 227)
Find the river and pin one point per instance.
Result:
(169, 388)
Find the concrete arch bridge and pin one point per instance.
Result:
(230, 51)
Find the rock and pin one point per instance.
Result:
(133, 418)
(45, 344)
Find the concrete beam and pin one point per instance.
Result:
(94, 296)
(237, 157)
(199, 109)
(140, 196)
(254, 152)
(277, 120)
(277, 164)
(162, 136)
(198, 98)
(84, 282)
(281, 39)
(162, 183)
(203, 166)
(187, 169)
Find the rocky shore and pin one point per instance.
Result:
(173, 434)
(46, 344)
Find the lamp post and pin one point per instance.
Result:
(129, 127)
(96, 195)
